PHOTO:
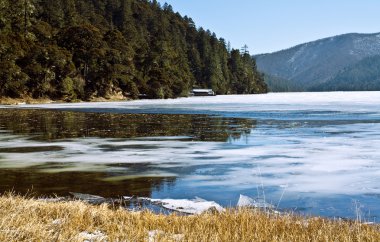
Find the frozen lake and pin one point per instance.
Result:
(316, 153)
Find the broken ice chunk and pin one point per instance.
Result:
(194, 206)
(245, 201)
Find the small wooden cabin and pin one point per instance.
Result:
(202, 92)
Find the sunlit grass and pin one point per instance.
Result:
(24, 219)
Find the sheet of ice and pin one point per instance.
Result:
(324, 162)
(323, 144)
(323, 101)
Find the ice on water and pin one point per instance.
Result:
(322, 143)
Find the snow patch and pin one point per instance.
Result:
(297, 54)
(57, 222)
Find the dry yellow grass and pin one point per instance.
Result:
(23, 219)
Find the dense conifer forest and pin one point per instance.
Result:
(81, 49)
(362, 76)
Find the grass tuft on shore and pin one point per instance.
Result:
(27, 219)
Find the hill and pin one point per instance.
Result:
(278, 84)
(362, 76)
(312, 64)
(66, 49)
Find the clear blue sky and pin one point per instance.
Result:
(271, 25)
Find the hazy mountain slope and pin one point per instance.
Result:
(278, 84)
(362, 76)
(310, 64)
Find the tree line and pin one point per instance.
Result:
(80, 49)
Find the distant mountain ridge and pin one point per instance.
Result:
(308, 66)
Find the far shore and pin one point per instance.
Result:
(28, 100)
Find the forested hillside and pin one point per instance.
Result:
(80, 49)
(278, 84)
(363, 76)
(307, 66)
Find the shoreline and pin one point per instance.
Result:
(23, 101)
(117, 98)
(26, 219)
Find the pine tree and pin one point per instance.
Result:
(69, 49)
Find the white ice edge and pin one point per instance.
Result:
(199, 205)
(194, 206)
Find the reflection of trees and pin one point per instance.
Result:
(51, 125)
(31, 181)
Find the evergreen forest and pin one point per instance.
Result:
(361, 76)
(82, 49)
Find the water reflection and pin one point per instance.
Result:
(32, 181)
(315, 152)
(55, 152)
(54, 125)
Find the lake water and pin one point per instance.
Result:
(314, 153)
